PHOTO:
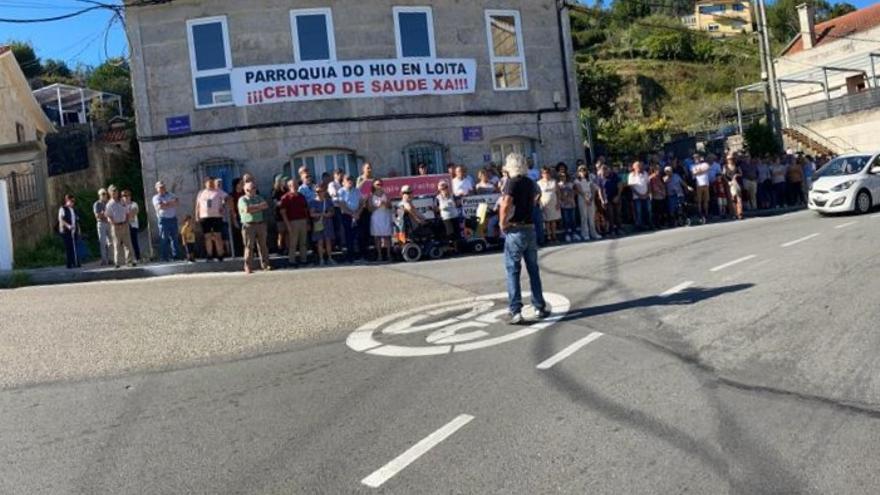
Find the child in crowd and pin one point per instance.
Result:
(188, 238)
(721, 191)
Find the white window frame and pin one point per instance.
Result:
(429, 15)
(190, 23)
(521, 59)
(331, 35)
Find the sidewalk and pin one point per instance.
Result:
(93, 272)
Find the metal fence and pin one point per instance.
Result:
(24, 194)
(843, 105)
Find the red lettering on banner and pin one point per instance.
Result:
(443, 85)
(269, 93)
(353, 87)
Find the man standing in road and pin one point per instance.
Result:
(700, 171)
(515, 220)
(117, 214)
(165, 204)
(99, 208)
(252, 209)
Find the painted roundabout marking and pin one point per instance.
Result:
(451, 326)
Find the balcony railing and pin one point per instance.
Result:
(843, 105)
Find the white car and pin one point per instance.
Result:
(848, 183)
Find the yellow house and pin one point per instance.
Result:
(722, 17)
(23, 163)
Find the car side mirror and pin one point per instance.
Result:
(875, 170)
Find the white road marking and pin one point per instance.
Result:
(845, 225)
(678, 288)
(734, 262)
(400, 462)
(798, 241)
(568, 351)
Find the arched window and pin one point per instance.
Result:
(431, 154)
(326, 160)
(505, 146)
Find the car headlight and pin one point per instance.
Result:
(843, 186)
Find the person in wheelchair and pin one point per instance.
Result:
(411, 221)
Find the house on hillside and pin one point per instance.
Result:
(828, 79)
(23, 164)
(721, 17)
(224, 87)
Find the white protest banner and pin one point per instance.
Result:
(330, 80)
(469, 204)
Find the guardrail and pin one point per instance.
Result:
(24, 194)
(826, 109)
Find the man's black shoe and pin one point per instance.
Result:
(542, 314)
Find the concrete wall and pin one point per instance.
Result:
(859, 130)
(104, 160)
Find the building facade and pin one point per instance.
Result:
(828, 79)
(721, 17)
(23, 164)
(267, 86)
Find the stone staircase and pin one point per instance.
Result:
(796, 138)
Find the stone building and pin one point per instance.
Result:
(226, 86)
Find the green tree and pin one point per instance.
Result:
(626, 11)
(112, 76)
(840, 9)
(56, 68)
(782, 17)
(27, 58)
(759, 140)
(598, 89)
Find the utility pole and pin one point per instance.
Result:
(768, 71)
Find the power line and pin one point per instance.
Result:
(52, 19)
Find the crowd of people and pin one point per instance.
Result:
(309, 220)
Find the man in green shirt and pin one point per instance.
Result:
(251, 209)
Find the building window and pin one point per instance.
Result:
(414, 32)
(211, 61)
(325, 161)
(19, 132)
(431, 154)
(506, 52)
(713, 27)
(224, 169)
(712, 9)
(738, 7)
(313, 38)
(505, 146)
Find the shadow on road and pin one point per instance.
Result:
(692, 295)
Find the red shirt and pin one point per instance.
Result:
(295, 205)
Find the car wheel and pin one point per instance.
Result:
(479, 247)
(863, 202)
(411, 252)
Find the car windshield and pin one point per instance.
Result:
(845, 165)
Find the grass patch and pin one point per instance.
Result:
(49, 251)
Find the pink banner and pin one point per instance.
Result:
(421, 185)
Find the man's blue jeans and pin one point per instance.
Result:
(520, 244)
(351, 236)
(641, 213)
(538, 220)
(167, 238)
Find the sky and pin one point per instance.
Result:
(81, 40)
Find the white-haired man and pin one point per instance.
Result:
(518, 198)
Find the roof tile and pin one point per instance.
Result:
(839, 27)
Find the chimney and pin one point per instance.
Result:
(808, 26)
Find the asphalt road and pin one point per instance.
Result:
(735, 358)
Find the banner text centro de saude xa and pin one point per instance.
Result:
(352, 79)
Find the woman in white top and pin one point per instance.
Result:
(380, 220)
(447, 208)
(586, 191)
(549, 203)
